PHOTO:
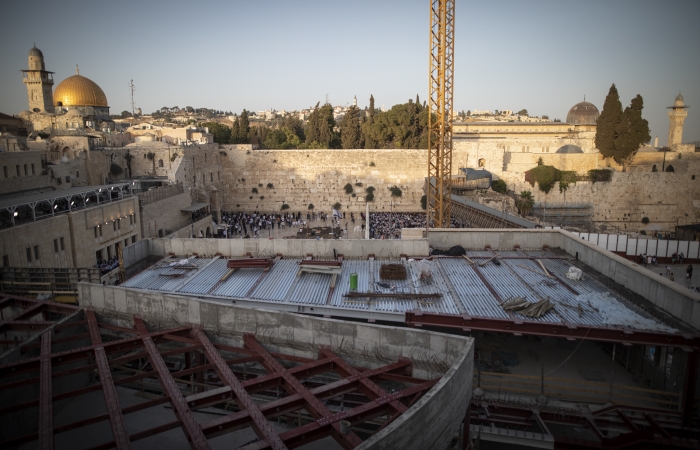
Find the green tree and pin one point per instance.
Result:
(319, 130)
(243, 127)
(632, 132)
(608, 123)
(222, 133)
(350, 128)
(522, 112)
(125, 114)
(235, 132)
(525, 202)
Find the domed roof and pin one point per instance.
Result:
(569, 148)
(79, 91)
(35, 52)
(583, 113)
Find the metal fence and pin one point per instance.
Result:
(161, 193)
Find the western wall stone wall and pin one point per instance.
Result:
(165, 215)
(301, 177)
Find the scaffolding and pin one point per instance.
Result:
(564, 214)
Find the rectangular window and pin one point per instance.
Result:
(126, 242)
(77, 174)
(211, 176)
(33, 173)
(114, 225)
(134, 218)
(119, 224)
(218, 175)
(4, 169)
(109, 252)
(6, 261)
(18, 174)
(95, 232)
(29, 254)
(58, 180)
(100, 227)
(36, 252)
(55, 245)
(131, 220)
(133, 239)
(26, 172)
(68, 179)
(62, 246)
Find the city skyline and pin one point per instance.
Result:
(543, 56)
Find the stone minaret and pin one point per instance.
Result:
(39, 83)
(354, 101)
(676, 115)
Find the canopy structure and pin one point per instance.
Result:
(195, 207)
(29, 208)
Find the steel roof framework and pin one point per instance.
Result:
(105, 357)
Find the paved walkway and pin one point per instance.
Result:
(678, 271)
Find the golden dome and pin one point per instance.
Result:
(79, 91)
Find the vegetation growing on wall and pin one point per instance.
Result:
(310, 207)
(424, 201)
(115, 170)
(369, 191)
(600, 175)
(546, 176)
(396, 191)
(284, 206)
(645, 220)
(174, 157)
(254, 191)
(348, 188)
(270, 186)
(498, 186)
(337, 206)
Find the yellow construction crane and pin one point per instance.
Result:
(440, 78)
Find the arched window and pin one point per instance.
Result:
(670, 169)
(482, 162)
(653, 168)
(160, 163)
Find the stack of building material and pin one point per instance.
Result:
(332, 267)
(527, 309)
(392, 272)
(250, 263)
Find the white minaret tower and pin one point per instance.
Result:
(676, 115)
(354, 101)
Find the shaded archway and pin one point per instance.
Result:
(670, 169)
(653, 168)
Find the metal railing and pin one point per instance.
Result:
(161, 193)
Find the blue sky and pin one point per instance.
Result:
(540, 55)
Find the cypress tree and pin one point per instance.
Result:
(371, 107)
(244, 126)
(312, 133)
(608, 123)
(632, 132)
(235, 132)
(350, 128)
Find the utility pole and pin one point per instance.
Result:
(132, 88)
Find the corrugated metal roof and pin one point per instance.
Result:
(463, 286)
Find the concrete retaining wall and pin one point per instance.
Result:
(478, 238)
(351, 248)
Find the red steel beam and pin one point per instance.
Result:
(189, 425)
(315, 407)
(24, 325)
(625, 336)
(322, 427)
(116, 419)
(371, 389)
(82, 353)
(45, 395)
(261, 426)
(28, 313)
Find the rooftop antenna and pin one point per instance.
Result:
(132, 88)
(77, 71)
(326, 99)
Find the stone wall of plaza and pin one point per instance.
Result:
(24, 172)
(163, 217)
(667, 199)
(73, 239)
(301, 177)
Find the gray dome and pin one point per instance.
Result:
(35, 52)
(679, 97)
(569, 148)
(583, 113)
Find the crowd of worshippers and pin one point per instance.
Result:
(388, 225)
(107, 266)
(249, 225)
(200, 214)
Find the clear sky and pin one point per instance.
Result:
(540, 55)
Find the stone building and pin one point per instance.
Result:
(76, 227)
